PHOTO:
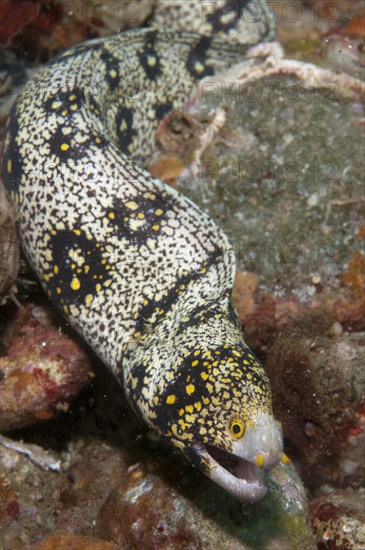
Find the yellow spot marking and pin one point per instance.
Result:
(56, 104)
(159, 212)
(151, 60)
(203, 270)
(89, 298)
(86, 268)
(204, 375)
(199, 67)
(72, 97)
(65, 146)
(9, 166)
(194, 363)
(156, 227)
(189, 408)
(260, 460)
(190, 388)
(73, 107)
(58, 290)
(181, 412)
(131, 205)
(77, 231)
(97, 140)
(285, 459)
(140, 216)
(198, 406)
(98, 287)
(55, 269)
(64, 113)
(202, 430)
(75, 284)
(183, 424)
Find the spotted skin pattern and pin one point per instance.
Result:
(139, 270)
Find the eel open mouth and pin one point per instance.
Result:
(236, 475)
(237, 466)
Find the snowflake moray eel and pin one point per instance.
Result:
(139, 270)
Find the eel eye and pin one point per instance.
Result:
(237, 428)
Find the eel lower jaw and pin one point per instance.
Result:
(237, 476)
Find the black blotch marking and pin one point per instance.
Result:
(221, 19)
(126, 135)
(148, 53)
(12, 160)
(111, 69)
(65, 147)
(198, 55)
(66, 103)
(172, 296)
(64, 247)
(121, 216)
(162, 109)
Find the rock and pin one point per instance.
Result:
(67, 541)
(94, 470)
(155, 508)
(37, 502)
(42, 30)
(245, 286)
(338, 520)
(317, 380)
(41, 370)
(9, 506)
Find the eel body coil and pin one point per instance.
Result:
(139, 270)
